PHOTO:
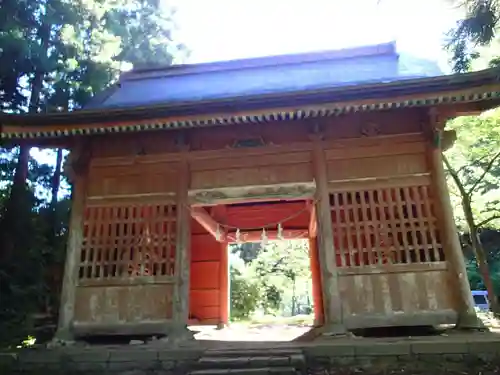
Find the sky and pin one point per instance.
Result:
(218, 30)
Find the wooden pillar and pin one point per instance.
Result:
(319, 318)
(78, 165)
(332, 303)
(467, 317)
(182, 254)
(224, 285)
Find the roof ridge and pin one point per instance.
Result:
(260, 62)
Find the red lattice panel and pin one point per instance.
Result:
(392, 225)
(128, 240)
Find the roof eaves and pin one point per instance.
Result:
(398, 88)
(283, 114)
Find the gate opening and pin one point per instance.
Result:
(258, 284)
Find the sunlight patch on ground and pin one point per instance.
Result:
(284, 329)
(245, 332)
(265, 328)
(274, 320)
(489, 319)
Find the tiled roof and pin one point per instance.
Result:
(260, 76)
(267, 89)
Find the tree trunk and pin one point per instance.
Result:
(484, 270)
(481, 259)
(56, 183)
(13, 219)
(21, 172)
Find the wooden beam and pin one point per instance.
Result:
(460, 283)
(467, 317)
(313, 222)
(332, 302)
(206, 221)
(182, 253)
(68, 293)
(319, 317)
(224, 281)
(261, 193)
(469, 109)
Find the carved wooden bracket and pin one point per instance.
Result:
(249, 143)
(316, 132)
(181, 139)
(78, 161)
(443, 140)
(438, 119)
(448, 139)
(140, 149)
(370, 129)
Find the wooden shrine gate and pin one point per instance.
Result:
(383, 261)
(362, 137)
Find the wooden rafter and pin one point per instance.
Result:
(206, 221)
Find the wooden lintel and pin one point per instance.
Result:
(290, 191)
(207, 222)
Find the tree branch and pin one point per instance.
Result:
(463, 167)
(485, 171)
(455, 177)
(488, 220)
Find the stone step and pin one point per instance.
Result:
(250, 361)
(280, 370)
(243, 352)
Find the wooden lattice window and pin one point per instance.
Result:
(392, 225)
(128, 240)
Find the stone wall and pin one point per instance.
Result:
(406, 357)
(448, 356)
(99, 361)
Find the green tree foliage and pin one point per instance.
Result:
(55, 56)
(279, 267)
(473, 165)
(280, 272)
(490, 239)
(247, 251)
(245, 294)
(477, 29)
(26, 274)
